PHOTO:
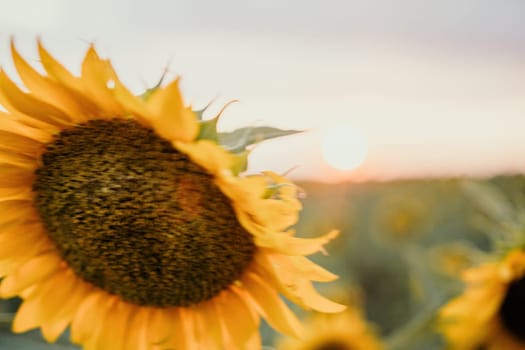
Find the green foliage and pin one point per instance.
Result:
(237, 140)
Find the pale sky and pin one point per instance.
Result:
(437, 87)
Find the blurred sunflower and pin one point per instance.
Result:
(454, 258)
(343, 331)
(490, 314)
(126, 218)
(400, 217)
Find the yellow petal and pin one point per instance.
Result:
(480, 274)
(256, 184)
(63, 316)
(24, 130)
(16, 210)
(55, 69)
(242, 190)
(50, 91)
(187, 328)
(30, 273)
(137, 332)
(94, 81)
(51, 331)
(288, 192)
(19, 144)
(273, 309)
(207, 154)
(299, 266)
(16, 193)
(52, 298)
(112, 335)
(171, 119)
(309, 297)
(9, 265)
(181, 330)
(159, 326)
(7, 157)
(14, 176)
(254, 342)
(95, 337)
(33, 122)
(248, 195)
(38, 309)
(208, 329)
(96, 76)
(282, 271)
(231, 308)
(310, 270)
(87, 316)
(28, 292)
(129, 102)
(478, 304)
(285, 244)
(276, 214)
(295, 285)
(26, 317)
(14, 99)
(25, 239)
(241, 292)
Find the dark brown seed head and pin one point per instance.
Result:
(137, 218)
(333, 345)
(512, 311)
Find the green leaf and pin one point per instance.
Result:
(149, 92)
(490, 200)
(208, 130)
(237, 140)
(272, 190)
(241, 163)
(200, 112)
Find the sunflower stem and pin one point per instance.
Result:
(400, 339)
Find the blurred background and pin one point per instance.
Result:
(435, 87)
(400, 101)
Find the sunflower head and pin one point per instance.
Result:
(131, 220)
(490, 312)
(344, 331)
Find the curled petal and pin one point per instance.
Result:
(287, 244)
(273, 309)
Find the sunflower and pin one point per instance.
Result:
(126, 219)
(400, 218)
(490, 313)
(343, 331)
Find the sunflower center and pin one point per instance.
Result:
(333, 345)
(512, 310)
(135, 217)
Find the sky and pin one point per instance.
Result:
(436, 87)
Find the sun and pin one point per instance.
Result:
(344, 147)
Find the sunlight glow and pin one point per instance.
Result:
(344, 147)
